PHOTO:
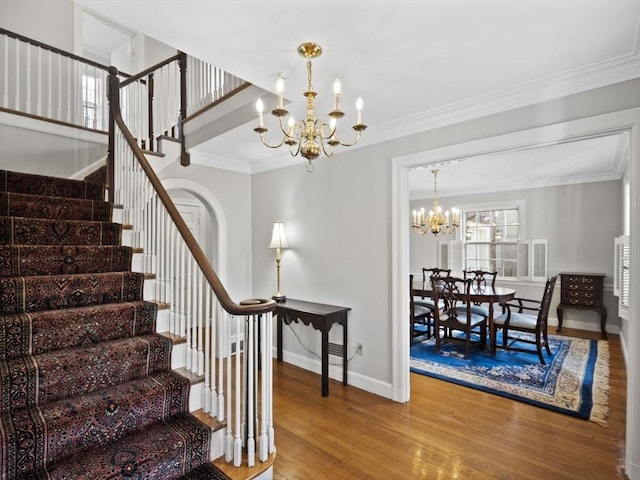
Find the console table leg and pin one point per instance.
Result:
(325, 363)
(279, 337)
(560, 313)
(603, 322)
(345, 351)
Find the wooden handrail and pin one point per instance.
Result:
(144, 73)
(247, 307)
(53, 49)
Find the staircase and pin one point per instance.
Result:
(86, 388)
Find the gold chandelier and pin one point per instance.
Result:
(436, 222)
(310, 136)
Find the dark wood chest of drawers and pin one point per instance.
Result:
(582, 291)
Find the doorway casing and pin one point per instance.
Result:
(607, 124)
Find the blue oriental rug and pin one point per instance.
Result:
(575, 380)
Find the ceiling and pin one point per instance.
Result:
(417, 64)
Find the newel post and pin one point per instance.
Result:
(113, 95)
(185, 158)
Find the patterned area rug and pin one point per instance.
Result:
(575, 380)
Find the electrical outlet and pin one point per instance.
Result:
(359, 348)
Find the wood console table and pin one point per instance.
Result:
(320, 317)
(582, 291)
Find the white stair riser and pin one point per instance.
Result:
(178, 355)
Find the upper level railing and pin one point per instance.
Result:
(44, 81)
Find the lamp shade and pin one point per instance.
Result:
(278, 238)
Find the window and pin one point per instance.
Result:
(491, 240)
(90, 94)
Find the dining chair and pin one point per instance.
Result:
(420, 318)
(427, 275)
(480, 279)
(456, 315)
(528, 317)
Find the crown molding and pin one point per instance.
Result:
(556, 86)
(218, 161)
(425, 194)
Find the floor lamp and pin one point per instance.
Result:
(278, 241)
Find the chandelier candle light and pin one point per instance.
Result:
(436, 222)
(310, 136)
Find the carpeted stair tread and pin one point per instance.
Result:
(37, 436)
(27, 260)
(205, 472)
(39, 206)
(52, 292)
(40, 332)
(178, 445)
(38, 231)
(50, 186)
(36, 380)
(98, 176)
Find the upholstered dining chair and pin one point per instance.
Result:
(480, 279)
(456, 315)
(527, 316)
(420, 318)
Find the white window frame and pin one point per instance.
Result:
(532, 257)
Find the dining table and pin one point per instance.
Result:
(478, 293)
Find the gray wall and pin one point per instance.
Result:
(232, 191)
(50, 22)
(338, 220)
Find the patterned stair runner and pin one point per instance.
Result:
(86, 389)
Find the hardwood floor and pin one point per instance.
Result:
(445, 432)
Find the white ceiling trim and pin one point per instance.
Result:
(218, 161)
(556, 86)
(524, 185)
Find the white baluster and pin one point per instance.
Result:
(229, 437)
(183, 288)
(17, 70)
(223, 339)
(198, 352)
(269, 380)
(263, 442)
(27, 96)
(69, 94)
(249, 352)
(189, 318)
(237, 439)
(207, 336)
(5, 70)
